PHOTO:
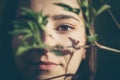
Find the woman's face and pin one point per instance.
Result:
(66, 29)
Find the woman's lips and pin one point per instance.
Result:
(47, 65)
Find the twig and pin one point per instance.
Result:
(71, 55)
(60, 47)
(113, 17)
(106, 48)
(67, 75)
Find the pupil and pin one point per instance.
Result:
(64, 28)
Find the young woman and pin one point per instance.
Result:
(66, 29)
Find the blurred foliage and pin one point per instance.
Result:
(69, 8)
(28, 25)
(90, 13)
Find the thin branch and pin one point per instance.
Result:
(98, 45)
(106, 48)
(67, 75)
(60, 47)
(71, 55)
(113, 17)
(92, 31)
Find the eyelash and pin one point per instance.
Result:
(64, 28)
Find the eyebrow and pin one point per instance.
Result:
(61, 16)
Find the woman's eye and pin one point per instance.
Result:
(64, 28)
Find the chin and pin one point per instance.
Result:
(54, 77)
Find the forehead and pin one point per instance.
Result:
(37, 5)
(50, 9)
(48, 6)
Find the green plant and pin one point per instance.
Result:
(90, 14)
(28, 25)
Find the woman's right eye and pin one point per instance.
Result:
(64, 28)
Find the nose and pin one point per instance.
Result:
(48, 39)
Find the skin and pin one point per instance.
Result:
(74, 31)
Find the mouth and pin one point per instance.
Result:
(47, 65)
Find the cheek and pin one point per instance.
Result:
(16, 42)
(67, 40)
(76, 61)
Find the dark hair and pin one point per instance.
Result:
(87, 68)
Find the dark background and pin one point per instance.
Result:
(108, 63)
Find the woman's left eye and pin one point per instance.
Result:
(64, 28)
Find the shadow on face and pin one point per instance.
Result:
(66, 29)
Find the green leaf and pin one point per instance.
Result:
(22, 31)
(57, 52)
(43, 27)
(27, 36)
(18, 24)
(84, 3)
(68, 8)
(29, 24)
(92, 38)
(85, 9)
(103, 8)
(87, 24)
(22, 49)
(93, 10)
(65, 6)
(40, 19)
(24, 43)
(76, 10)
(45, 20)
(28, 13)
